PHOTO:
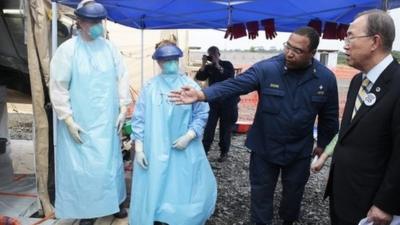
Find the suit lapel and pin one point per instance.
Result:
(379, 89)
(349, 107)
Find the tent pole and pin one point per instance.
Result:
(141, 58)
(229, 13)
(54, 42)
(385, 5)
(53, 27)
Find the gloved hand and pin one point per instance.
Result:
(316, 24)
(121, 118)
(229, 33)
(269, 27)
(341, 31)
(330, 30)
(74, 129)
(239, 30)
(252, 29)
(140, 157)
(183, 141)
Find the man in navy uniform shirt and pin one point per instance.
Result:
(293, 90)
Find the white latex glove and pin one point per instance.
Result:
(121, 118)
(74, 129)
(183, 141)
(140, 157)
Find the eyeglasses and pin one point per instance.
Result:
(348, 40)
(288, 47)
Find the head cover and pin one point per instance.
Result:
(167, 52)
(91, 10)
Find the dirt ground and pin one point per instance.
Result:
(233, 203)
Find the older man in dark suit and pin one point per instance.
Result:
(364, 179)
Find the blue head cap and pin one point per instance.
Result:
(167, 52)
(90, 10)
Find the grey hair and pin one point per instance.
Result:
(381, 23)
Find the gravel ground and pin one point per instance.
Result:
(233, 203)
(20, 126)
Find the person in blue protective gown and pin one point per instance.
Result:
(172, 181)
(89, 92)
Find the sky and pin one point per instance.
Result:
(206, 38)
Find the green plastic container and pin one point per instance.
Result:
(127, 129)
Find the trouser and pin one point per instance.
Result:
(160, 223)
(263, 179)
(227, 116)
(335, 220)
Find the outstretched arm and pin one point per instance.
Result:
(242, 84)
(186, 95)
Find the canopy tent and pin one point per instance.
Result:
(218, 14)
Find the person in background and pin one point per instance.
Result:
(317, 165)
(224, 110)
(364, 178)
(172, 180)
(293, 89)
(6, 164)
(89, 92)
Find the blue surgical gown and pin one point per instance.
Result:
(179, 187)
(89, 177)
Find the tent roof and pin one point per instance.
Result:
(217, 14)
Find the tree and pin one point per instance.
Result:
(396, 55)
(341, 58)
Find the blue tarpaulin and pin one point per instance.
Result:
(218, 14)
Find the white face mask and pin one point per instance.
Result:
(170, 67)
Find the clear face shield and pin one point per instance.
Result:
(93, 28)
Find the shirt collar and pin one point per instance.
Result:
(377, 70)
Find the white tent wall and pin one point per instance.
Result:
(128, 41)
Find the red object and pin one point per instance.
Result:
(252, 29)
(269, 27)
(228, 33)
(239, 30)
(5, 220)
(330, 30)
(317, 25)
(243, 126)
(341, 31)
